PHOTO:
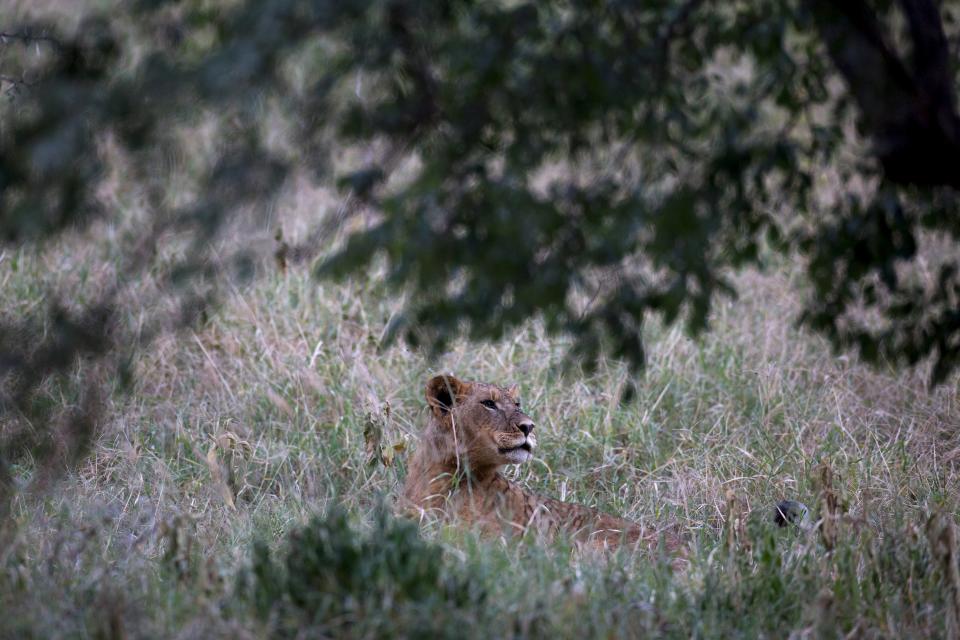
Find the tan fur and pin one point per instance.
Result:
(456, 472)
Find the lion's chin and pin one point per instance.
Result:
(517, 455)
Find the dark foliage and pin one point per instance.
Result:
(335, 578)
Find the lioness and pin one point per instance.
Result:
(474, 430)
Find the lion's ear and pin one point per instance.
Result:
(514, 392)
(443, 392)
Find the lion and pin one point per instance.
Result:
(474, 430)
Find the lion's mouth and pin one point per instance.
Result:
(520, 447)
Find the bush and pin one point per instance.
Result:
(337, 578)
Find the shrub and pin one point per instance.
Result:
(335, 577)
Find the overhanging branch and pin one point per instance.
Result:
(909, 111)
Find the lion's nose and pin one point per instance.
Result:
(526, 426)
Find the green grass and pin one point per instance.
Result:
(265, 405)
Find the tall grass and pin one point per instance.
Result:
(239, 431)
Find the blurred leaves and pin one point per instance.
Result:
(595, 164)
(111, 96)
(330, 576)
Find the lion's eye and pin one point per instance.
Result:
(489, 404)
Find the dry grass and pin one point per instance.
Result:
(241, 428)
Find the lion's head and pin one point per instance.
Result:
(480, 424)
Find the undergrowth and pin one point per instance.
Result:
(238, 489)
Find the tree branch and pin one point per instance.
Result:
(26, 37)
(909, 112)
(931, 55)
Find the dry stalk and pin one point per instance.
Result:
(737, 538)
(829, 508)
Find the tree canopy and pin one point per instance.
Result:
(591, 163)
